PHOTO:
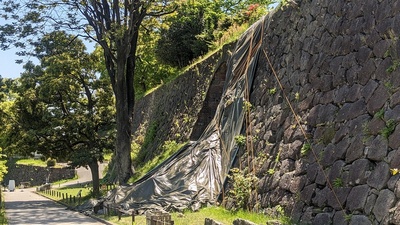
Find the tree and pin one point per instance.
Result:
(196, 25)
(114, 25)
(150, 72)
(182, 42)
(65, 110)
(5, 103)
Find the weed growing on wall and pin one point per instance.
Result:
(242, 186)
(305, 149)
(388, 129)
(240, 140)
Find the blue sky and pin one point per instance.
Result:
(8, 67)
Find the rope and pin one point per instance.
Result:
(304, 133)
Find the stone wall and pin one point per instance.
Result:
(338, 62)
(171, 111)
(36, 175)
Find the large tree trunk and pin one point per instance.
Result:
(123, 160)
(94, 168)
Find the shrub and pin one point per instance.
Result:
(51, 162)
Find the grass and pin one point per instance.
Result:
(31, 162)
(64, 181)
(169, 148)
(34, 162)
(197, 218)
(85, 195)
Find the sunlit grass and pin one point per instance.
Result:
(55, 183)
(197, 218)
(31, 162)
(34, 162)
(155, 161)
(65, 195)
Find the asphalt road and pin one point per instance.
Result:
(24, 207)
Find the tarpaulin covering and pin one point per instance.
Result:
(196, 173)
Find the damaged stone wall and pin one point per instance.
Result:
(339, 64)
(187, 103)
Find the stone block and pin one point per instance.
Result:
(242, 222)
(378, 99)
(377, 149)
(209, 221)
(360, 220)
(379, 176)
(322, 218)
(358, 170)
(385, 201)
(356, 149)
(351, 110)
(337, 197)
(357, 197)
(340, 218)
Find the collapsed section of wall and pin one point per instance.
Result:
(339, 65)
(171, 112)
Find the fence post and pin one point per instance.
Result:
(133, 216)
(107, 211)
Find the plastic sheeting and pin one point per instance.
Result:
(195, 175)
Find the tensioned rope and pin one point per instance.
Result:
(242, 70)
(304, 134)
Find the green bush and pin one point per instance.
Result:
(182, 41)
(242, 187)
(51, 162)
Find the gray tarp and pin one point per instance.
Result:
(196, 173)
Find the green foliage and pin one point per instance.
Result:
(272, 91)
(305, 149)
(31, 162)
(389, 128)
(51, 162)
(64, 109)
(197, 218)
(141, 155)
(247, 106)
(3, 169)
(199, 25)
(168, 149)
(242, 187)
(181, 42)
(380, 114)
(338, 182)
(85, 192)
(240, 140)
(271, 171)
(150, 72)
(297, 96)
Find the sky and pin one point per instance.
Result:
(8, 67)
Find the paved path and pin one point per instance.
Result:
(24, 207)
